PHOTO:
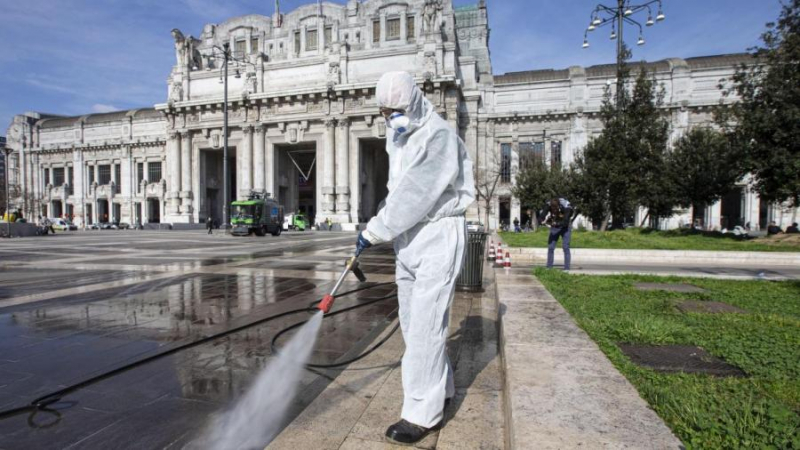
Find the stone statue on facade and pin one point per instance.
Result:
(431, 16)
(186, 53)
(180, 46)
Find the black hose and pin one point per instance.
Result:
(274, 349)
(42, 403)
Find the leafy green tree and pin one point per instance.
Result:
(536, 184)
(647, 137)
(624, 166)
(704, 166)
(766, 119)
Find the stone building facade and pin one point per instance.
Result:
(304, 126)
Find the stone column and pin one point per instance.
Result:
(343, 171)
(355, 181)
(186, 172)
(516, 207)
(269, 167)
(245, 155)
(752, 212)
(197, 169)
(174, 173)
(258, 158)
(328, 168)
(713, 216)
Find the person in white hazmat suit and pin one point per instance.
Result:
(430, 187)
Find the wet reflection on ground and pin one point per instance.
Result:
(48, 344)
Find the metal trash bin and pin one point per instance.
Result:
(470, 279)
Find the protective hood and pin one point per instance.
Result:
(398, 90)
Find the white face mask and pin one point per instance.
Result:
(399, 122)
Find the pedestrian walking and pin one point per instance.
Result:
(430, 188)
(558, 216)
(210, 225)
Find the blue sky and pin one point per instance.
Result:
(81, 56)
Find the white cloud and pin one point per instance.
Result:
(101, 108)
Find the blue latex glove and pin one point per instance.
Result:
(362, 243)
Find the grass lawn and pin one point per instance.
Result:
(705, 412)
(646, 239)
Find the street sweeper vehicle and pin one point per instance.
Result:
(259, 214)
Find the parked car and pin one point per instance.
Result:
(60, 224)
(93, 226)
(124, 226)
(107, 226)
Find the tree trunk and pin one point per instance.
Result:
(604, 225)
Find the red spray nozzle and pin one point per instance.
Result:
(326, 304)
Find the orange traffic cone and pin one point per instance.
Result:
(499, 259)
(507, 262)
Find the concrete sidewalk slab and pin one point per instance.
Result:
(561, 391)
(696, 257)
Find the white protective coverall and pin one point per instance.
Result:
(430, 187)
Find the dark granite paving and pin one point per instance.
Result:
(48, 344)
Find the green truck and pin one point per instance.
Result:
(259, 214)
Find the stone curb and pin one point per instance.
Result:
(560, 390)
(593, 255)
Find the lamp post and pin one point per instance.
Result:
(227, 56)
(624, 11)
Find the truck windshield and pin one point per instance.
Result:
(243, 211)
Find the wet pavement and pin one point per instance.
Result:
(75, 305)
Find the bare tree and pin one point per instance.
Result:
(487, 179)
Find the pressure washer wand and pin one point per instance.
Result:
(352, 266)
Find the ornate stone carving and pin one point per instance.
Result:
(333, 72)
(344, 122)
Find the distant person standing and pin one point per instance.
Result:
(516, 225)
(210, 225)
(558, 216)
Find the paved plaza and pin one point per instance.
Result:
(78, 304)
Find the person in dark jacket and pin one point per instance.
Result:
(773, 229)
(793, 229)
(210, 225)
(558, 215)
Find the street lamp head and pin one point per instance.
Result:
(640, 41)
(591, 27)
(596, 21)
(628, 12)
(649, 22)
(613, 35)
(585, 43)
(238, 74)
(660, 16)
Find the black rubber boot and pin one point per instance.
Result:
(406, 433)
